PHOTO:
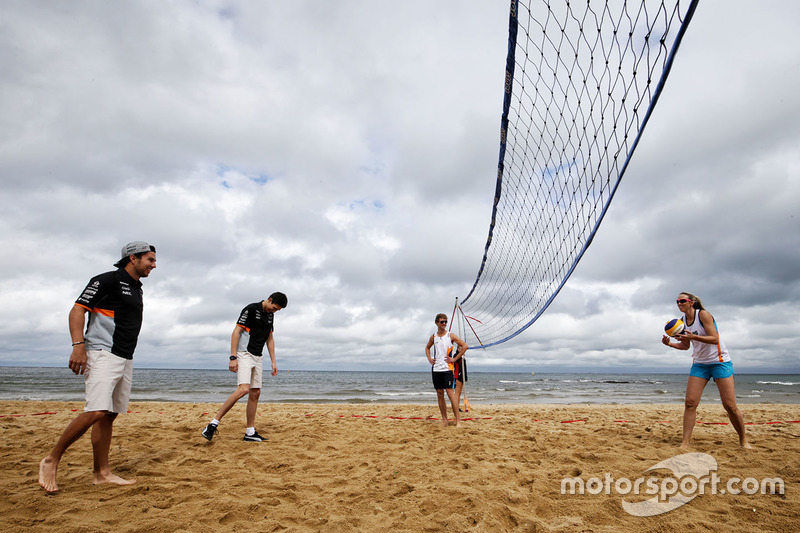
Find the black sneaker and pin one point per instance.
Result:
(255, 437)
(210, 431)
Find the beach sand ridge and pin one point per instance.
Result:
(359, 467)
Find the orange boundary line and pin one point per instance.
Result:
(403, 417)
(389, 417)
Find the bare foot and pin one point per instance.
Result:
(746, 445)
(113, 479)
(47, 474)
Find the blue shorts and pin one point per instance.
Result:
(712, 370)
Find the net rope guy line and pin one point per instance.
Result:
(582, 79)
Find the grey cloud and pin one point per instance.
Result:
(233, 139)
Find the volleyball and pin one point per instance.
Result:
(674, 327)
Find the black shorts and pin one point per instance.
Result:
(442, 380)
(460, 370)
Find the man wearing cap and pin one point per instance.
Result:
(103, 353)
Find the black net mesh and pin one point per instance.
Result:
(582, 79)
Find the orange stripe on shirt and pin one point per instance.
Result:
(104, 312)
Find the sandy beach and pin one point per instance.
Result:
(335, 467)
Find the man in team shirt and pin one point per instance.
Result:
(103, 353)
(252, 332)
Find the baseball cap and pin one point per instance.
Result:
(136, 247)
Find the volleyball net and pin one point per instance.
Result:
(582, 80)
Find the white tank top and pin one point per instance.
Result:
(705, 353)
(441, 347)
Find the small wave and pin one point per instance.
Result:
(538, 395)
(749, 395)
(420, 393)
(787, 383)
(321, 400)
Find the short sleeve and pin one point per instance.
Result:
(95, 292)
(244, 316)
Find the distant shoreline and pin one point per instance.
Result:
(355, 387)
(683, 371)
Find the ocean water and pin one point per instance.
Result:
(28, 383)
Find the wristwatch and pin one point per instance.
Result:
(233, 358)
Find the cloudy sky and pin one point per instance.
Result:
(345, 153)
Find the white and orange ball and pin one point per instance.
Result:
(674, 327)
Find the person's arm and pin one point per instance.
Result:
(271, 351)
(428, 351)
(683, 344)
(711, 336)
(95, 292)
(233, 365)
(77, 321)
(462, 348)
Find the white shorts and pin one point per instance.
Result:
(108, 380)
(250, 370)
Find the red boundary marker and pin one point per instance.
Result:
(389, 417)
(308, 415)
(32, 414)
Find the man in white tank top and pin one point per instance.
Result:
(442, 366)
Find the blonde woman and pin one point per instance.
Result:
(710, 360)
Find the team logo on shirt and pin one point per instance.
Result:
(125, 288)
